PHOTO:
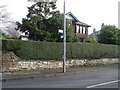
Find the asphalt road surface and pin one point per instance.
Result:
(0, 81)
(106, 78)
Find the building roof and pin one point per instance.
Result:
(95, 33)
(73, 18)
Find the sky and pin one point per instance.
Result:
(92, 12)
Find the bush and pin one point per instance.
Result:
(33, 49)
(53, 50)
(90, 40)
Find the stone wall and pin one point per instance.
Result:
(12, 63)
(9, 60)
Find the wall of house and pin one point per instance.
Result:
(81, 32)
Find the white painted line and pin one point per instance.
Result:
(92, 86)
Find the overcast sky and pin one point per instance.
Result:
(92, 12)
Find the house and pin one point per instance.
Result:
(81, 28)
(96, 33)
(24, 36)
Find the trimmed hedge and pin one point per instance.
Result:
(53, 50)
(0, 45)
(92, 51)
(33, 50)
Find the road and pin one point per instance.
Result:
(106, 78)
(0, 81)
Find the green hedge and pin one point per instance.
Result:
(53, 50)
(92, 51)
(0, 45)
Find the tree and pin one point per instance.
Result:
(55, 23)
(44, 25)
(34, 0)
(40, 0)
(109, 35)
(1, 36)
(92, 37)
(45, 8)
(118, 37)
(3, 14)
(90, 40)
(12, 32)
(38, 15)
(3, 18)
(7, 25)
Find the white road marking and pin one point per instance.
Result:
(92, 86)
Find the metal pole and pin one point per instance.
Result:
(64, 43)
(119, 14)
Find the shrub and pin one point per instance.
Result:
(53, 50)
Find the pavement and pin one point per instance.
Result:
(51, 72)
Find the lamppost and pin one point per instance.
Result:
(119, 14)
(64, 42)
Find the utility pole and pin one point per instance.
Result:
(64, 43)
(119, 14)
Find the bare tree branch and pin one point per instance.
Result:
(4, 19)
(3, 13)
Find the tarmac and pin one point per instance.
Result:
(20, 75)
